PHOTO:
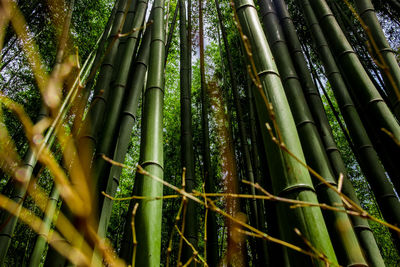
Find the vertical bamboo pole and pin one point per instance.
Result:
(257, 221)
(101, 168)
(343, 237)
(362, 86)
(361, 226)
(40, 245)
(294, 180)
(390, 70)
(187, 152)
(368, 158)
(127, 121)
(149, 213)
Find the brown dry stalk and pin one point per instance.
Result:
(134, 234)
(195, 252)
(177, 218)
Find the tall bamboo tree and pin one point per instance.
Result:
(343, 237)
(390, 69)
(187, 152)
(128, 118)
(368, 158)
(18, 196)
(349, 28)
(151, 152)
(208, 172)
(171, 31)
(127, 121)
(90, 131)
(40, 244)
(257, 220)
(365, 236)
(82, 100)
(361, 85)
(109, 138)
(294, 180)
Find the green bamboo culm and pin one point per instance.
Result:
(291, 179)
(356, 76)
(149, 214)
(89, 134)
(363, 231)
(51, 207)
(368, 158)
(187, 152)
(213, 252)
(171, 31)
(85, 94)
(348, 26)
(387, 152)
(26, 172)
(41, 242)
(123, 113)
(366, 11)
(256, 220)
(128, 119)
(390, 71)
(343, 237)
(109, 137)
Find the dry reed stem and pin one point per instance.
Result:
(205, 221)
(322, 256)
(120, 35)
(195, 252)
(134, 234)
(189, 261)
(139, 197)
(110, 258)
(184, 202)
(177, 218)
(33, 132)
(391, 135)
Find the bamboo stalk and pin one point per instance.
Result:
(385, 55)
(187, 152)
(149, 214)
(294, 180)
(343, 237)
(108, 140)
(368, 158)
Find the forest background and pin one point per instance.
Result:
(88, 21)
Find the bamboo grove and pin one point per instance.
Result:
(247, 121)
